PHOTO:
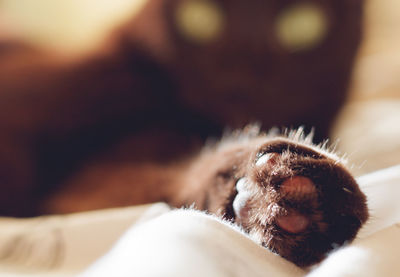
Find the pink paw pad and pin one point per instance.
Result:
(293, 222)
(297, 187)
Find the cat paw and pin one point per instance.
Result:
(298, 201)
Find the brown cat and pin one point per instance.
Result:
(167, 72)
(293, 197)
(122, 125)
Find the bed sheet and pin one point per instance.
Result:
(152, 240)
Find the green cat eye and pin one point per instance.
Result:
(301, 27)
(200, 21)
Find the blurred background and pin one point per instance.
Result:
(368, 127)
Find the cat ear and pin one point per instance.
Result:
(199, 21)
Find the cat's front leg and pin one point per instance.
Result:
(290, 196)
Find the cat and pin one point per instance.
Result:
(291, 196)
(163, 72)
(123, 125)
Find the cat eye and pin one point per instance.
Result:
(301, 27)
(200, 21)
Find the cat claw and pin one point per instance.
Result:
(267, 158)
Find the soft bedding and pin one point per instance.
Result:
(152, 240)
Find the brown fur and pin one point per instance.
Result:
(123, 125)
(336, 207)
(56, 114)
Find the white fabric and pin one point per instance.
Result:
(383, 193)
(376, 255)
(64, 245)
(189, 243)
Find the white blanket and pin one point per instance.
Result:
(154, 241)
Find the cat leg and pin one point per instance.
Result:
(298, 201)
(290, 196)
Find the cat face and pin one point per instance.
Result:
(279, 62)
(295, 27)
(275, 61)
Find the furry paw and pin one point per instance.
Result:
(297, 200)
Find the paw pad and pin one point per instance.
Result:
(298, 186)
(293, 222)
